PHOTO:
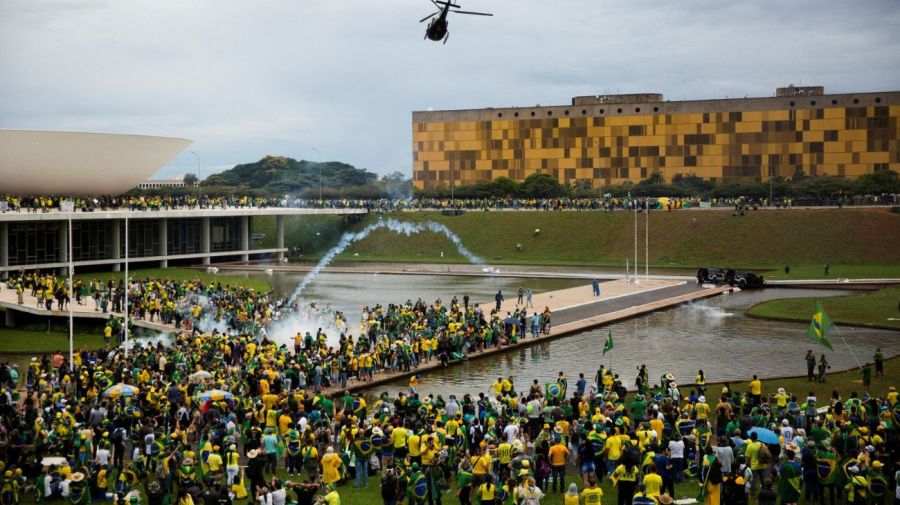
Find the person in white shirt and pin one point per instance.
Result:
(278, 496)
(511, 432)
(786, 432)
(102, 456)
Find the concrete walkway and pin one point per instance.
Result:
(566, 321)
(567, 299)
(8, 300)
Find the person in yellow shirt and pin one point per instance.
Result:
(613, 451)
(487, 492)
(331, 496)
(559, 457)
(481, 466)
(399, 438)
(755, 391)
(592, 494)
(652, 482)
(331, 465)
(414, 442)
(215, 464)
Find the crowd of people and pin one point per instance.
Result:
(221, 412)
(47, 203)
(44, 203)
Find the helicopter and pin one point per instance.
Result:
(437, 28)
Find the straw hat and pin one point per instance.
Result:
(77, 477)
(670, 377)
(781, 391)
(252, 454)
(665, 499)
(189, 461)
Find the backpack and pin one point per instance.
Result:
(765, 455)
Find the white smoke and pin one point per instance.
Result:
(402, 227)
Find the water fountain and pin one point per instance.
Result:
(283, 330)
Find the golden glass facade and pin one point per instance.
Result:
(609, 143)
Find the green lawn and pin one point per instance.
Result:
(869, 244)
(180, 274)
(841, 271)
(842, 382)
(20, 341)
(878, 308)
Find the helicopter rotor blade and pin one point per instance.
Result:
(426, 18)
(473, 13)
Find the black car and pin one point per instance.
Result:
(744, 279)
(712, 275)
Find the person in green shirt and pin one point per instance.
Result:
(789, 483)
(867, 376)
(879, 362)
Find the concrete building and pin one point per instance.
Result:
(609, 139)
(40, 240)
(174, 182)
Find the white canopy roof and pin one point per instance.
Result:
(77, 163)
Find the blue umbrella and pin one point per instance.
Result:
(765, 436)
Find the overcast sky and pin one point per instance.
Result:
(244, 79)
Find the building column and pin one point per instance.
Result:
(205, 239)
(62, 255)
(279, 235)
(245, 237)
(116, 245)
(164, 242)
(4, 249)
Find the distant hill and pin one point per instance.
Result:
(278, 175)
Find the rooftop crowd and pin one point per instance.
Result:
(45, 203)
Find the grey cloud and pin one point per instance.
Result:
(246, 79)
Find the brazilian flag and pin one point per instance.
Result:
(818, 327)
(608, 345)
(419, 485)
(364, 446)
(554, 390)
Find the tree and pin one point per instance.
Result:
(190, 179)
(878, 182)
(542, 186)
(397, 185)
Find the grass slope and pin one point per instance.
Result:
(866, 309)
(181, 274)
(17, 341)
(856, 242)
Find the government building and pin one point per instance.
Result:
(604, 140)
(84, 164)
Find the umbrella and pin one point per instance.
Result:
(200, 375)
(765, 436)
(215, 395)
(120, 390)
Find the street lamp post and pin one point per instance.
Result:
(199, 172)
(320, 172)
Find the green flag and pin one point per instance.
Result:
(608, 346)
(818, 328)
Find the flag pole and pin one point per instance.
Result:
(125, 321)
(850, 350)
(71, 294)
